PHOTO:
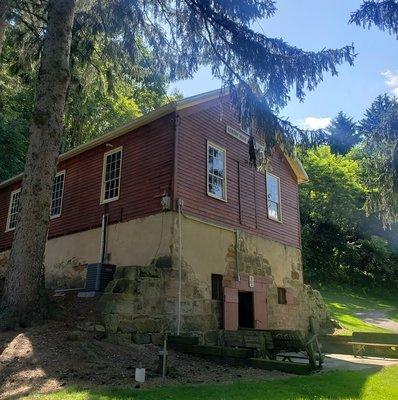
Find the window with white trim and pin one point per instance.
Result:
(111, 175)
(274, 197)
(57, 195)
(13, 210)
(216, 175)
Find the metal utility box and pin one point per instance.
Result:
(98, 276)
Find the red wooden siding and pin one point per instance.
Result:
(147, 170)
(246, 190)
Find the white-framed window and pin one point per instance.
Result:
(111, 172)
(274, 197)
(216, 172)
(13, 210)
(57, 195)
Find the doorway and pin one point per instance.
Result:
(246, 310)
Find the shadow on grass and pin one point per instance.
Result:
(358, 385)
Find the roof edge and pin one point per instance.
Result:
(294, 162)
(298, 169)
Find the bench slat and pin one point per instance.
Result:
(372, 337)
(374, 344)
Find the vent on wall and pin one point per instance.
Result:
(98, 276)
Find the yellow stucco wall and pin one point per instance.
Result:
(135, 242)
(210, 249)
(206, 248)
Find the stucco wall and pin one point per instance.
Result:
(135, 242)
(209, 249)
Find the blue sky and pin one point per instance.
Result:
(314, 25)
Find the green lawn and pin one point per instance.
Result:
(362, 385)
(343, 304)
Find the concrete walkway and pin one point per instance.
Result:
(347, 362)
(378, 318)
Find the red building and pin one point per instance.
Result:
(174, 192)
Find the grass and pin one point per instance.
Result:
(343, 304)
(342, 385)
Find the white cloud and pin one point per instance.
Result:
(391, 80)
(314, 122)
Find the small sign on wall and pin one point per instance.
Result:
(251, 281)
(237, 134)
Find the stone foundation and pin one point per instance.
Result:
(145, 299)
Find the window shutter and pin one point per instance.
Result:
(290, 297)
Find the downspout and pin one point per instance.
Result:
(104, 228)
(174, 189)
(179, 205)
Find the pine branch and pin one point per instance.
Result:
(383, 14)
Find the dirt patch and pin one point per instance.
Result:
(57, 354)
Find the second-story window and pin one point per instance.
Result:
(57, 195)
(13, 210)
(216, 175)
(111, 175)
(274, 197)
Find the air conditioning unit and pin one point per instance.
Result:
(98, 276)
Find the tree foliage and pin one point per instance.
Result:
(378, 154)
(381, 13)
(100, 97)
(343, 134)
(340, 242)
(260, 71)
(380, 125)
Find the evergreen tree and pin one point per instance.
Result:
(4, 9)
(100, 96)
(379, 127)
(23, 297)
(342, 134)
(380, 124)
(259, 71)
(369, 126)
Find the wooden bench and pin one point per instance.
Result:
(287, 341)
(275, 343)
(260, 342)
(361, 340)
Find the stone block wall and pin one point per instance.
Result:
(144, 299)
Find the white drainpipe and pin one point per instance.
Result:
(180, 205)
(103, 237)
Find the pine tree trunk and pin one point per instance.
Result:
(4, 7)
(21, 304)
